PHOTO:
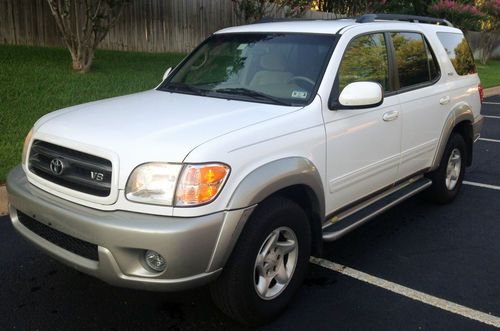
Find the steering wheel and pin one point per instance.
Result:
(196, 67)
(302, 79)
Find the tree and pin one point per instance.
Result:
(346, 8)
(465, 16)
(254, 10)
(83, 25)
(360, 7)
(413, 7)
(490, 36)
(479, 15)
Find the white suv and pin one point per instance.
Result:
(267, 140)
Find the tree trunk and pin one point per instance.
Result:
(83, 25)
(487, 43)
(81, 60)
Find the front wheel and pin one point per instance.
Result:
(447, 178)
(267, 265)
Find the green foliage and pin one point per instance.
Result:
(413, 7)
(365, 59)
(465, 16)
(346, 8)
(254, 10)
(478, 15)
(490, 36)
(360, 7)
(491, 15)
(35, 81)
(463, 60)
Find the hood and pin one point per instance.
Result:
(152, 125)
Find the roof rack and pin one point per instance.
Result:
(406, 18)
(269, 19)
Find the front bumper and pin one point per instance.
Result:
(194, 248)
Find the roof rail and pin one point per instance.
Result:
(270, 19)
(406, 18)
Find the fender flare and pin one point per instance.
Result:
(259, 184)
(462, 112)
(274, 176)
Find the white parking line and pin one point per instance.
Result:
(493, 187)
(490, 116)
(490, 140)
(410, 293)
(491, 103)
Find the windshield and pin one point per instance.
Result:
(272, 68)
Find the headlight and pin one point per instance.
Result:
(158, 183)
(153, 183)
(25, 147)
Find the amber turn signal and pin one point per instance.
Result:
(200, 184)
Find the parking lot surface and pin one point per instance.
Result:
(440, 256)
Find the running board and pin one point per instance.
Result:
(349, 220)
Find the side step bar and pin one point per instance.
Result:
(349, 220)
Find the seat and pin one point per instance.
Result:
(273, 66)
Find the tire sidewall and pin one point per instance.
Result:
(456, 141)
(283, 214)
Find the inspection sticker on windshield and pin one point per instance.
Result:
(299, 94)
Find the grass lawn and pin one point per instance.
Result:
(489, 73)
(35, 81)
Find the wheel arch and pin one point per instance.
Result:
(295, 178)
(459, 120)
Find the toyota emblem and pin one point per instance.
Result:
(56, 166)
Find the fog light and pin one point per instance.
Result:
(155, 261)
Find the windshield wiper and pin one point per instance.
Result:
(253, 94)
(184, 87)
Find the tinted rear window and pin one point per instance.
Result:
(415, 63)
(458, 51)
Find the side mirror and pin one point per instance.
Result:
(361, 95)
(167, 72)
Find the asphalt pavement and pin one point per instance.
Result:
(449, 252)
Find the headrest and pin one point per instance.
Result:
(272, 62)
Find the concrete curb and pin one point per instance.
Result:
(488, 92)
(3, 201)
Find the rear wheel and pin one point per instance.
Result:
(447, 178)
(267, 265)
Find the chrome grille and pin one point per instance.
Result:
(69, 168)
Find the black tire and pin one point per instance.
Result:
(234, 291)
(439, 192)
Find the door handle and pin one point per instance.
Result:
(444, 100)
(390, 115)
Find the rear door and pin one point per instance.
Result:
(424, 102)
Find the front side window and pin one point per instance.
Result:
(414, 61)
(365, 59)
(274, 68)
(458, 51)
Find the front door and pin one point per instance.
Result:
(363, 145)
